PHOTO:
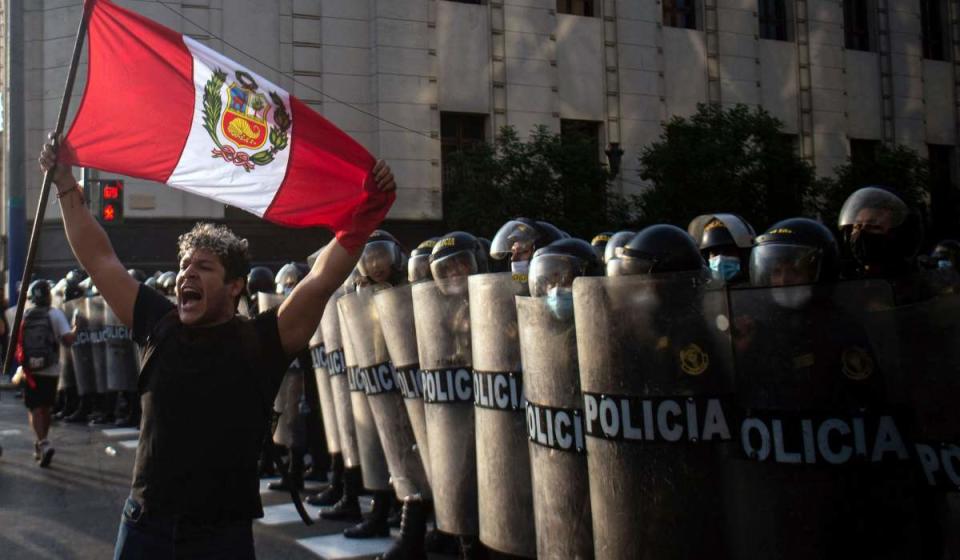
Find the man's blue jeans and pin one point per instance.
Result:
(145, 536)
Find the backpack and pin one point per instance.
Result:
(40, 347)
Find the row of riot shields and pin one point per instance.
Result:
(104, 357)
(662, 416)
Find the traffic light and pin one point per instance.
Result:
(111, 201)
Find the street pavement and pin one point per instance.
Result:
(72, 509)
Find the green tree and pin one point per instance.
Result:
(896, 167)
(548, 177)
(723, 160)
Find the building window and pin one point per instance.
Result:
(857, 25)
(944, 192)
(863, 152)
(680, 13)
(458, 132)
(576, 7)
(587, 131)
(933, 29)
(773, 20)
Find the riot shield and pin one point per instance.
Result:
(395, 308)
(82, 349)
(318, 352)
(95, 312)
(929, 343)
(443, 345)
(291, 429)
(504, 491)
(822, 467)
(383, 394)
(339, 386)
(121, 354)
(68, 375)
(373, 463)
(558, 461)
(267, 301)
(656, 376)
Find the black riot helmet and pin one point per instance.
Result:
(555, 266)
(39, 293)
(879, 229)
(612, 250)
(520, 237)
(76, 275)
(454, 257)
(151, 282)
(797, 251)
(287, 278)
(599, 243)
(382, 260)
(260, 279)
(418, 265)
(167, 283)
(721, 234)
(137, 274)
(946, 254)
(659, 249)
(72, 290)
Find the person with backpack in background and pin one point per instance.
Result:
(43, 330)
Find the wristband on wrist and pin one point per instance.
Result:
(75, 188)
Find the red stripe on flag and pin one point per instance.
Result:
(138, 104)
(327, 176)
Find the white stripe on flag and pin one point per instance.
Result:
(199, 171)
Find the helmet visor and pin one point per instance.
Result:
(552, 271)
(378, 260)
(784, 265)
(455, 265)
(515, 239)
(873, 210)
(418, 268)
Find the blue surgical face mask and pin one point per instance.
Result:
(560, 303)
(944, 264)
(724, 267)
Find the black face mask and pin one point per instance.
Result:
(872, 248)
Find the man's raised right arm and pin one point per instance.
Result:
(89, 242)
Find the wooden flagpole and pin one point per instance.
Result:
(45, 189)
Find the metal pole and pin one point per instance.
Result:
(47, 179)
(15, 133)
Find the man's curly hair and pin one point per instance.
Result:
(218, 239)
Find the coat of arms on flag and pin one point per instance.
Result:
(245, 122)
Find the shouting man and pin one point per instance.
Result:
(208, 377)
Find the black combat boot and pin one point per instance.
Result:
(334, 491)
(413, 529)
(108, 402)
(294, 476)
(375, 525)
(82, 413)
(131, 418)
(71, 403)
(348, 507)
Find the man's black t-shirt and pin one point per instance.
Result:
(206, 394)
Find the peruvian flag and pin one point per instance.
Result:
(163, 107)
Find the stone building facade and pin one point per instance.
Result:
(842, 75)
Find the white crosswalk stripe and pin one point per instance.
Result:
(338, 547)
(121, 432)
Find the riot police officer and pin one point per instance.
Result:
(612, 250)
(725, 241)
(418, 265)
(259, 279)
(382, 260)
(553, 269)
(599, 243)
(882, 236)
(519, 238)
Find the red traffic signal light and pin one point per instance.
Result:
(109, 212)
(111, 201)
